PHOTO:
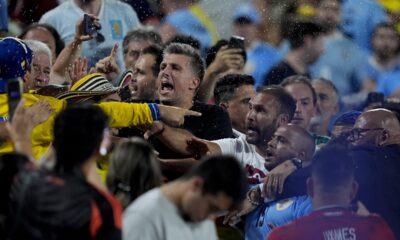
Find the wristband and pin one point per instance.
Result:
(155, 111)
(249, 198)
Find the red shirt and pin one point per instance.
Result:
(334, 224)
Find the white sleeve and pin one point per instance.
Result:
(232, 146)
(138, 227)
(227, 145)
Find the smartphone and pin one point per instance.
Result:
(236, 42)
(14, 93)
(89, 28)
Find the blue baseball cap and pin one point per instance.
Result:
(15, 58)
(248, 12)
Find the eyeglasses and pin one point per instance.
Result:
(357, 133)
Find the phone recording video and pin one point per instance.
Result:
(14, 93)
(236, 42)
(89, 26)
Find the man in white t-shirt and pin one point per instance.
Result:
(116, 19)
(183, 209)
(270, 108)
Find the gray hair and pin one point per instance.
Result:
(38, 47)
(196, 61)
(141, 35)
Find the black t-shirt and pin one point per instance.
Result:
(47, 205)
(279, 72)
(213, 124)
(378, 175)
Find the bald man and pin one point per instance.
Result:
(289, 142)
(377, 151)
(376, 127)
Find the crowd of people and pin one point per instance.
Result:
(111, 128)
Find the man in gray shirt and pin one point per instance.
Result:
(182, 209)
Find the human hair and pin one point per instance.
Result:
(57, 39)
(196, 61)
(329, 83)
(226, 87)
(333, 167)
(38, 47)
(296, 29)
(157, 52)
(287, 105)
(186, 39)
(212, 52)
(141, 35)
(221, 173)
(384, 25)
(299, 79)
(134, 169)
(78, 132)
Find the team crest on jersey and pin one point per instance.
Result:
(284, 204)
(116, 29)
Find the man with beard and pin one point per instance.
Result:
(270, 108)
(143, 85)
(289, 142)
(181, 73)
(342, 62)
(305, 38)
(116, 19)
(233, 92)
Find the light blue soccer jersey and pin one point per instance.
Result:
(268, 216)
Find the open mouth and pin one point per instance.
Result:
(166, 87)
(269, 154)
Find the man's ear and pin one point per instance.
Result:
(224, 105)
(302, 155)
(197, 182)
(194, 83)
(383, 138)
(282, 120)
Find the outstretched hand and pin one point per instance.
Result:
(198, 147)
(175, 116)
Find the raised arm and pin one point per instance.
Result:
(68, 55)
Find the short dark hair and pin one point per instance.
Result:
(333, 166)
(157, 52)
(186, 39)
(225, 88)
(78, 131)
(287, 104)
(57, 39)
(295, 29)
(384, 25)
(296, 79)
(196, 61)
(212, 52)
(221, 173)
(141, 34)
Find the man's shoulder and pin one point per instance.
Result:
(207, 108)
(117, 6)
(53, 14)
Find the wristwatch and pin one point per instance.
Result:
(297, 162)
